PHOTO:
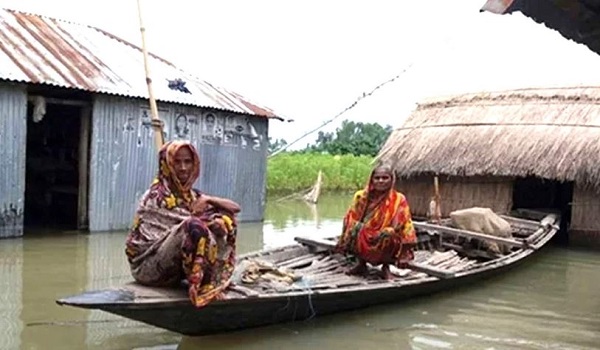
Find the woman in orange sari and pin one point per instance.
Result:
(180, 233)
(378, 228)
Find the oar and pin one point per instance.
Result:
(158, 132)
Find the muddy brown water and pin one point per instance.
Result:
(553, 302)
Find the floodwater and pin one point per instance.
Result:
(553, 302)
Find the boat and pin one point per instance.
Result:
(306, 279)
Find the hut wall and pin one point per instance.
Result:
(458, 193)
(232, 147)
(585, 226)
(13, 132)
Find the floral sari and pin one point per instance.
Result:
(378, 228)
(167, 243)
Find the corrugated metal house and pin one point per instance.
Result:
(507, 150)
(77, 146)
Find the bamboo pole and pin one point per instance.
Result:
(313, 195)
(158, 132)
(438, 198)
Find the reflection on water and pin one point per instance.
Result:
(289, 219)
(282, 215)
(550, 303)
(11, 287)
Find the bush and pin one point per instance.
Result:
(294, 172)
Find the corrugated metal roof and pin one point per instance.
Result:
(496, 6)
(41, 50)
(577, 20)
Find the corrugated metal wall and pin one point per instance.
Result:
(13, 131)
(233, 150)
(122, 162)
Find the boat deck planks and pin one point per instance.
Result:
(319, 271)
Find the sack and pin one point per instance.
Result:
(483, 220)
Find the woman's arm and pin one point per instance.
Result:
(224, 203)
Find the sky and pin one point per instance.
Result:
(308, 60)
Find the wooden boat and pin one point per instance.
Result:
(303, 280)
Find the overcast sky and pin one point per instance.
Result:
(309, 59)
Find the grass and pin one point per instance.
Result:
(294, 172)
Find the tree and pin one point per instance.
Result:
(353, 138)
(277, 144)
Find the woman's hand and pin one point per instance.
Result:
(224, 203)
(205, 201)
(157, 124)
(217, 226)
(200, 205)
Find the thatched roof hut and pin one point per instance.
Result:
(496, 140)
(549, 133)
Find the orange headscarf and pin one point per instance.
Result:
(368, 199)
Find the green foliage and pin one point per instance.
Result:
(293, 172)
(276, 144)
(352, 138)
(345, 158)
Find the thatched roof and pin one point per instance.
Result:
(550, 133)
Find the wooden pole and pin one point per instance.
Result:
(315, 192)
(438, 210)
(158, 132)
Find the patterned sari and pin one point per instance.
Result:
(167, 243)
(378, 228)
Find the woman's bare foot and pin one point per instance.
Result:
(386, 273)
(359, 269)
